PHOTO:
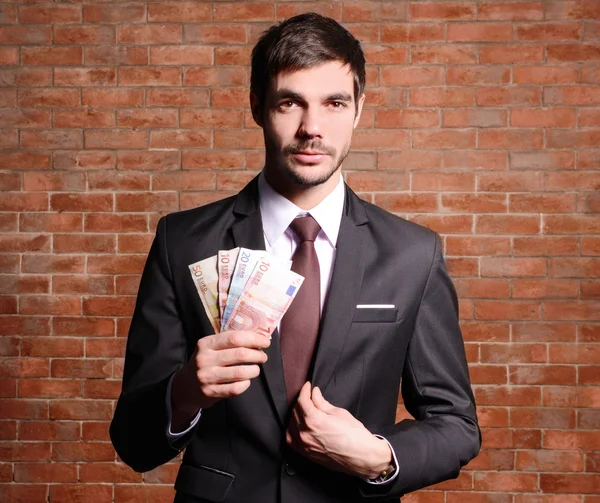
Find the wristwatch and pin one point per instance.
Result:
(386, 473)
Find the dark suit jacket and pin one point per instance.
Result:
(237, 452)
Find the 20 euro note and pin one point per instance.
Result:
(245, 264)
(206, 279)
(268, 294)
(225, 266)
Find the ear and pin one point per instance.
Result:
(255, 107)
(359, 108)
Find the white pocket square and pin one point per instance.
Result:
(375, 306)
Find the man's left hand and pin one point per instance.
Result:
(334, 438)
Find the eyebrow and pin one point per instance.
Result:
(288, 93)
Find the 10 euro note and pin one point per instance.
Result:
(268, 294)
(206, 279)
(225, 265)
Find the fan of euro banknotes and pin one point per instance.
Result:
(244, 289)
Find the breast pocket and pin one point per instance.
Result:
(374, 313)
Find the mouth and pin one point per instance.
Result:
(309, 157)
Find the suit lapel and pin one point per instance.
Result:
(248, 233)
(344, 291)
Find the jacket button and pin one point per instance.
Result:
(289, 469)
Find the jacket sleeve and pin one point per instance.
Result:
(156, 349)
(436, 389)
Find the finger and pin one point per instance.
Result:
(237, 339)
(225, 390)
(222, 375)
(236, 356)
(321, 403)
(304, 397)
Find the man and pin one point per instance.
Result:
(308, 415)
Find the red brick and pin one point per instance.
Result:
(367, 181)
(474, 203)
(10, 263)
(181, 139)
(415, 33)
(510, 10)
(511, 138)
(116, 223)
(439, 182)
(78, 160)
(574, 353)
(108, 472)
(55, 472)
(464, 75)
(95, 430)
(42, 263)
(81, 368)
(129, 285)
(51, 139)
(81, 202)
(184, 181)
(83, 284)
(25, 118)
(26, 35)
(588, 117)
(84, 34)
(254, 139)
(573, 52)
(444, 54)
(457, 159)
(128, 13)
(175, 97)
(511, 53)
(105, 348)
(126, 493)
(149, 76)
(83, 326)
(110, 306)
(479, 32)
(546, 74)
(475, 246)
(45, 56)
(572, 483)
(446, 224)
(8, 14)
(507, 96)
(542, 374)
(149, 34)
(116, 138)
(232, 55)
(207, 118)
(245, 12)
(119, 181)
(51, 388)
(571, 440)
(140, 202)
(24, 325)
(181, 55)
(49, 98)
(85, 77)
(513, 482)
(84, 118)
(214, 34)
(554, 117)
(408, 160)
(524, 417)
(210, 159)
(441, 97)
(441, 139)
(474, 118)
(35, 77)
(501, 438)
(80, 493)
(53, 305)
(542, 160)
(52, 14)
(571, 9)
(411, 76)
(116, 55)
(442, 11)
(29, 367)
(54, 181)
(572, 95)
(385, 97)
(463, 267)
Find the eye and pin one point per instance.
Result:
(338, 104)
(286, 104)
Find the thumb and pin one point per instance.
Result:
(321, 403)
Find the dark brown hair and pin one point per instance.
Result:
(302, 42)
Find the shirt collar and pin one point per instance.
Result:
(277, 212)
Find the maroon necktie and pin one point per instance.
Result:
(300, 324)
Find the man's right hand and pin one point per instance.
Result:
(221, 367)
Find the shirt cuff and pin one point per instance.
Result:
(395, 461)
(174, 436)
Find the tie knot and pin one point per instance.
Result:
(306, 228)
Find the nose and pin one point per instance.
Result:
(310, 125)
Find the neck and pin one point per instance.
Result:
(305, 198)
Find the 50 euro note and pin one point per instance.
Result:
(225, 266)
(206, 278)
(268, 294)
(245, 264)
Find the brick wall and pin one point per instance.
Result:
(482, 121)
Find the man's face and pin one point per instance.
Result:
(308, 119)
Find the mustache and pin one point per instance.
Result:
(313, 146)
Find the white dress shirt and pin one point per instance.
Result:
(277, 214)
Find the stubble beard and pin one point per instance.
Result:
(309, 179)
